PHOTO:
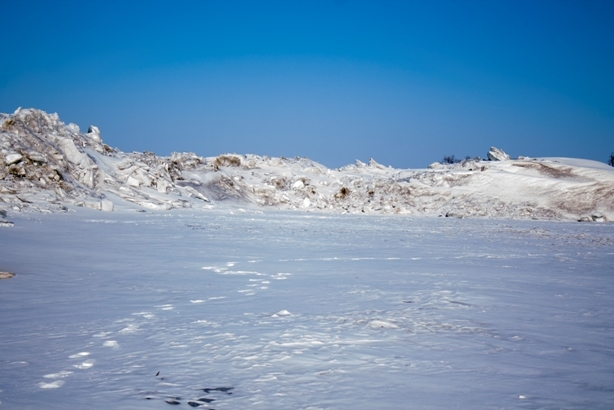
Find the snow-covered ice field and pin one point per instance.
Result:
(281, 310)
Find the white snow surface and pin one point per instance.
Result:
(297, 310)
(47, 166)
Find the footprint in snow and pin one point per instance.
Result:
(200, 402)
(172, 401)
(227, 390)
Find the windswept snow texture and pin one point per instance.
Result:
(279, 310)
(47, 166)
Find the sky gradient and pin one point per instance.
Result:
(404, 83)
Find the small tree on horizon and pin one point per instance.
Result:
(449, 159)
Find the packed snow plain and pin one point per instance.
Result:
(244, 308)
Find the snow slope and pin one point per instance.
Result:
(47, 166)
(293, 310)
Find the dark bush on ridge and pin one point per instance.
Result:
(449, 159)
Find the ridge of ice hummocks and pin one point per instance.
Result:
(48, 166)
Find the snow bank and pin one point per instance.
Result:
(47, 166)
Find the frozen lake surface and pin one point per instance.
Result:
(279, 310)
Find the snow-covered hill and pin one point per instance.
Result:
(47, 166)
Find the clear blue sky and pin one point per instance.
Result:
(403, 82)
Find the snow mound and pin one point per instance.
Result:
(48, 166)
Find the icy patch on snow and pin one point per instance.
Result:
(59, 375)
(282, 313)
(131, 328)
(382, 324)
(79, 355)
(53, 385)
(86, 364)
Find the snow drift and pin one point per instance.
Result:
(48, 166)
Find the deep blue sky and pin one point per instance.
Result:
(403, 82)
